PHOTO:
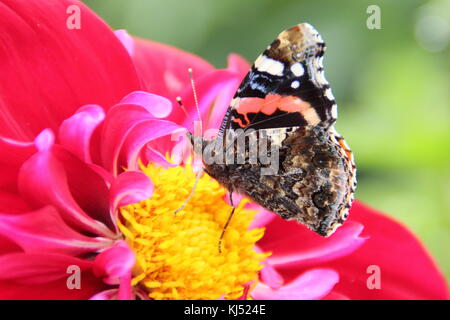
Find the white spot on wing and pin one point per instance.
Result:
(329, 94)
(266, 64)
(320, 77)
(295, 84)
(318, 62)
(297, 69)
(334, 112)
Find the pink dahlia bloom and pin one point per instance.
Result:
(85, 115)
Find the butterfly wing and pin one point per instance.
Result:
(285, 95)
(286, 86)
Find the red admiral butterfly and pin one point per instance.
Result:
(285, 96)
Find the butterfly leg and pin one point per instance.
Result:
(228, 221)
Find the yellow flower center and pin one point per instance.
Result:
(178, 255)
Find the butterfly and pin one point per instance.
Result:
(286, 98)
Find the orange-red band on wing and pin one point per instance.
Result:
(269, 105)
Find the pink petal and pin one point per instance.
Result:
(38, 268)
(181, 151)
(110, 294)
(88, 187)
(43, 180)
(45, 140)
(130, 187)
(75, 133)
(269, 275)
(151, 155)
(311, 285)
(125, 288)
(126, 39)
(43, 231)
(221, 103)
(70, 68)
(156, 105)
(238, 64)
(162, 68)
(240, 68)
(120, 120)
(262, 217)
(208, 88)
(114, 263)
(292, 244)
(141, 135)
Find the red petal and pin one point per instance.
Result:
(57, 290)
(12, 154)
(407, 270)
(49, 70)
(12, 203)
(37, 268)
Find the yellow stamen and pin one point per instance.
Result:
(177, 255)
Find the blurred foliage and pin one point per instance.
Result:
(393, 92)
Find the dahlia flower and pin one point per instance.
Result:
(90, 179)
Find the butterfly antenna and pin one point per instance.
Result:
(194, 91)
(180, 103)
(200, 174)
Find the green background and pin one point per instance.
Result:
(391, 84)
